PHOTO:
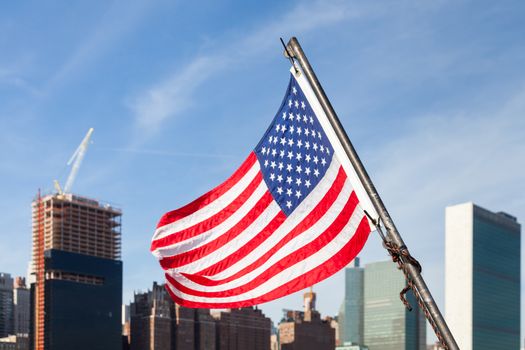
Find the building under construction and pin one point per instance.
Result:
(77, 289)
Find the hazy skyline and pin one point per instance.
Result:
(432, 94)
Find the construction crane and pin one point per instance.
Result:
(76, 160)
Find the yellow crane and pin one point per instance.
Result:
(75, 161)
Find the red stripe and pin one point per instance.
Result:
(319, 211)
(342, 258)
(202, 251)
(211, 222)
(293, 258)
(209, 197)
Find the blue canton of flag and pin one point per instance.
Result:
(294, 153)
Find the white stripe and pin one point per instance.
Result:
(297, 270)
(211, 209)
(216, 231)
(293, 220)
(295, 244)
(360, 191)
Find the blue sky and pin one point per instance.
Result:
(432, 93)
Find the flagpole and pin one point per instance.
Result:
(430, 308)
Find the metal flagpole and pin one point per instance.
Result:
(399, 251)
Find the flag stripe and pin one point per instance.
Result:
(320, 271)
(210, 196)
(290, 260)
(268, 251)
(211, 246)
(210, 223)
(214, 207)
(281, 232)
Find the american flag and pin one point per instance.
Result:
(290, 216)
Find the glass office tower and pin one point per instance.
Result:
(482, 282)
(388, 325)
(351, 312)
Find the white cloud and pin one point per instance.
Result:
(169, 97)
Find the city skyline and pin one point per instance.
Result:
(431, 94)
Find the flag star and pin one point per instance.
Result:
(270, 139)
(327, 150)
(298, 181)
(290, 116)
(298, 194)
(307, 183)
(266, 163)
(303, 105)
(319, 135)
(305, 118)
(307, 158)
(315, 146)
(283, 128)
(274, 152)
(289, 191)
(311, 120)
(278, 127)
(283, 141)
(275, 140)
(290, 103)
(292, 129)
(284, 115)
(307, 145)
(290, 142)
(281, 153)
(273, 165)
(280, 178)
(323, 161)
(298, 156)
(289, 167)
(298, 117)
(299, 131)
(281, 166)
(316, 160)
(299, 169)
(289, 204)
(294, 90)
(299, 143)
(296, 104)
(322, 148)
(307, 171)
(306, 132)
(272, 176)
(316, 172)
(263, 150)
(313, 133)
(290, 155)
(279, 190)
(289, 180)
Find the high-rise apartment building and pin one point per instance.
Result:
(157, 323)
(245, 328)
(21, 309)
(482, 277)
(388, 325)
(77, 294)
(351, 317)
(6, 305)
(305, 330)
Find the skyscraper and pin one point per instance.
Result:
(482, 277)
(6, 305)
(388, 325)
(77, 294)
(21, 311)
(351, 318)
